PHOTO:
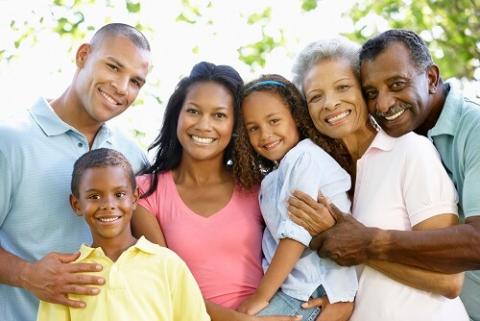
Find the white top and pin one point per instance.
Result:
(307, 168)
(400, 183)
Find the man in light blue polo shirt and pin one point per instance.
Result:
(37, 154)
(404, 92)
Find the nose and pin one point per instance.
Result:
(204, 123)
(121, 85)
(332, 102)
(384, 102)
(265, 133)
(108, 203)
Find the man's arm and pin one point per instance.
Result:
(51, 278)
(451, 249)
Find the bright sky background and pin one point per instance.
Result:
(45, 68)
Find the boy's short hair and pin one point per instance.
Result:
(102, 157)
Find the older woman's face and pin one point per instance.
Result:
(334, 98)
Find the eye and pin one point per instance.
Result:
(274, 121)
(120, 194)
(370, 94)
(136, 83)
(113, 67)
(397, 85)
(93, 197)
(252, 129)
(342, 88)
(220, 115)
(192, 111)
(315, 98)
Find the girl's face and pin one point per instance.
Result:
(206, 121)
(270, 125)
(334, 98)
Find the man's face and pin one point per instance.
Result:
(110, 75)
(397, 93)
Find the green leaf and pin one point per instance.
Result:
(133, 7)
(309, 5)
(182, 18)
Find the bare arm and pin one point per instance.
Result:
(144, 223)
(219, 313)
(51, 278)
(286, 256)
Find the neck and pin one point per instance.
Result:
(358, 142)
(437, 102)
(114, 247)
(200, 173)
(70, 109)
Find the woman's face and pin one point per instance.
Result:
(334, 98)
(206, 121)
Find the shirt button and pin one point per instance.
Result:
(80, 144)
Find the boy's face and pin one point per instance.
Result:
(106, 200)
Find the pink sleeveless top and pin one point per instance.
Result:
(223, 251)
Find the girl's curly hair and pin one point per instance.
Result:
(249, 168)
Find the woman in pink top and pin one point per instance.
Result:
(190, 201)
(399, 183)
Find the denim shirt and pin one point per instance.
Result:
(307, 168)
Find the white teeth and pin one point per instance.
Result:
(338, 117)
(395, 116)
(107, 97)
(108, 219)
(202, 140)
(270, 145)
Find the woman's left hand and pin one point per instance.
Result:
(341, 311)
(252, 305)
(313, 215)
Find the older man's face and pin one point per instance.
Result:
(398, 95)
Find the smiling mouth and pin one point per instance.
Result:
(395, 116)
(333, 120)
(271, 145)
(202, 140)
(108, 219)
(109, 98)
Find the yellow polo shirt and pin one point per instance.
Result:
(146, 283)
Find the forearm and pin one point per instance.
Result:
(448, 285)
(286, 256)
(449, 250)
(12, 269)
(219, 313)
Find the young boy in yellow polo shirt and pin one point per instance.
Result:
(143, 281)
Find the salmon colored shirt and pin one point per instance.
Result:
(223, 251)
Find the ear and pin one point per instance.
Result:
(82, 54)
(136, 196)
(74, 205)
(433, 75)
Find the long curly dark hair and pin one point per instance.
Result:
(169, 149)
(249, 167)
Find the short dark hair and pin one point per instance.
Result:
(169, 149)
(419, 53)
(117, 29)
(97, 158)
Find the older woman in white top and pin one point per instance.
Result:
(399, 183)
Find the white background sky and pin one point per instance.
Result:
(45, 68)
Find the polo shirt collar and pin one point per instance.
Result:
(382, 141)
(52, 125)
(142, 245)
(449, 118)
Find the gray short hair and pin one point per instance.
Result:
(324, 49)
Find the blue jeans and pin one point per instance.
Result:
(282, 304)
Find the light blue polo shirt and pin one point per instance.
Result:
(456, 135)
(37, 153)
(310, 169)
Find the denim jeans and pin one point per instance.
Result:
(282, 304)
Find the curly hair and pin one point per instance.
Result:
(169, 149)
(249, 168)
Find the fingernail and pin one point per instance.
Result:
(95, 291)
(98, 267)
(100, 281)
(81, 305)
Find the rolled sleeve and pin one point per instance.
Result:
(288, 229)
